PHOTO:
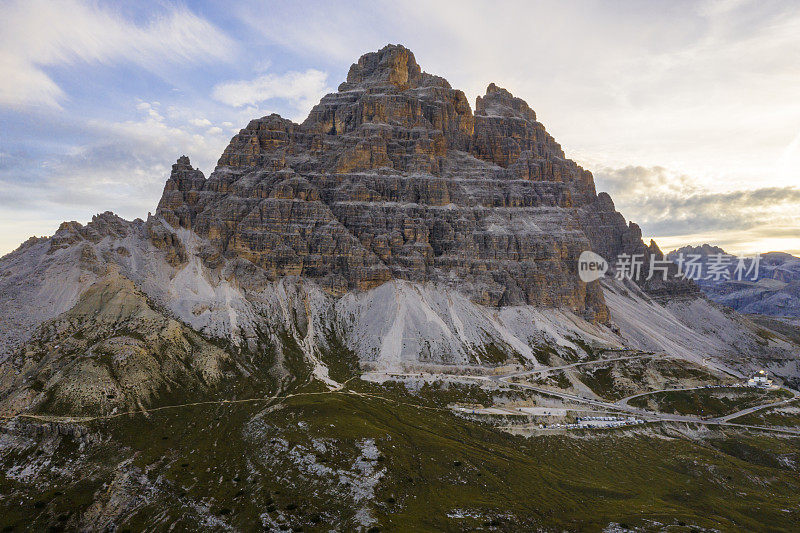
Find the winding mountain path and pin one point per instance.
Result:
(726, 418)
(619, 406)
(624, 401)
(656, 416)
(585, 363)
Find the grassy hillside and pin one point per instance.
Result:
(381, 459)
(785, 415)
(230, 439)
(708, 402)
(615, 380)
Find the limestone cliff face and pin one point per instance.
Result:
(394, 177)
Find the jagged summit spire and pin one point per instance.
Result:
(182, 163)
(183, 182)
(499, 102)
(393, 65)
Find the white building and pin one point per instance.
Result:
(760, 380)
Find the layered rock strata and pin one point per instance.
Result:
(393, 177)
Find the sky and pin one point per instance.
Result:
(687, 112)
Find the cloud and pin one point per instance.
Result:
(637, 181)
(303, 89)
(22, 84)
(322, 30)
(122, 168)
(36, 34)
(200, 122)
(743, 242)
(674, 209)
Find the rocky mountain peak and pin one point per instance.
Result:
(182, 171)
(102, 225)
(338, 288)
(183, 163)
(703, 250)
(184, 182)
(393, 177)
(393, 64)
(499, 102)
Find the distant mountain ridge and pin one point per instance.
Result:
(772, 290)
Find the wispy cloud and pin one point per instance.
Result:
(36, 34)
(676, 209)
(123, 169)
(303, 89)
(322, 30)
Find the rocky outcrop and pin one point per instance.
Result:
(111, 351)
(181, 193)
(393, 177)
